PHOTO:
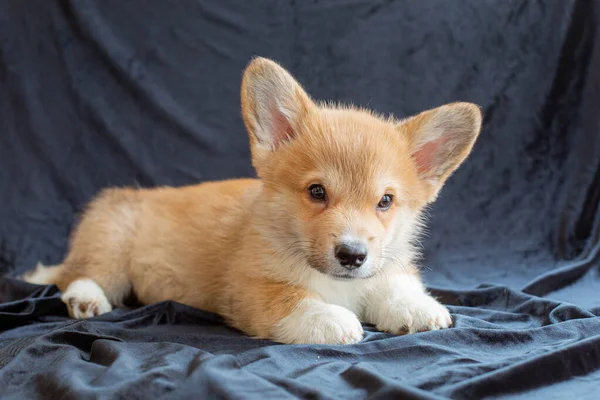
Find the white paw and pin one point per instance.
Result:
(85, 299)
(410, 314)
(316, 322)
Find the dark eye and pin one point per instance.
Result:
(385, 202)
(317, 192)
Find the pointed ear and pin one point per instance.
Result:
(440, 140)
(273, 105)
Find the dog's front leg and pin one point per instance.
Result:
(291, 314)
(399, 303)
(317, 322)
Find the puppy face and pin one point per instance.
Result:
(344, 188)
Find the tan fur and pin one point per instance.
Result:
(255, 250)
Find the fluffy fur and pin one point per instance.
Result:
(261, 252)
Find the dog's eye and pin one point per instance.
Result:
(385, 202)
(317, 192)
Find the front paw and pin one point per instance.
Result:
(412, 314)
(316, 322)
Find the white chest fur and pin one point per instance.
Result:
(349, 294)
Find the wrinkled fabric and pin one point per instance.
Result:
(112, 93)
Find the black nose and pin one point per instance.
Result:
(351, 256)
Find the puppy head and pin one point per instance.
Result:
(344, 188)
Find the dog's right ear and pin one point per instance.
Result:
(273, 106)
(440, 139)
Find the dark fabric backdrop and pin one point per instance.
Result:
(96, 94)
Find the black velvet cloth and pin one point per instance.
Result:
(111, 93)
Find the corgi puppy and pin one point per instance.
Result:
(322, 241)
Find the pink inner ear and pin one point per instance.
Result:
(428, 155)
(281, 129)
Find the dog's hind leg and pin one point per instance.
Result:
(85, 299)
(94, 276)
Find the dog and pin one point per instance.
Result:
(323, 240)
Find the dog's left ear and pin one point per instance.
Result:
(440, 140)
(273, 107)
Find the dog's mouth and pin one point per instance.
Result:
(344, 277)
(339, 273)
(350, 276)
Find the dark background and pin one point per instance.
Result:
(96, 94)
